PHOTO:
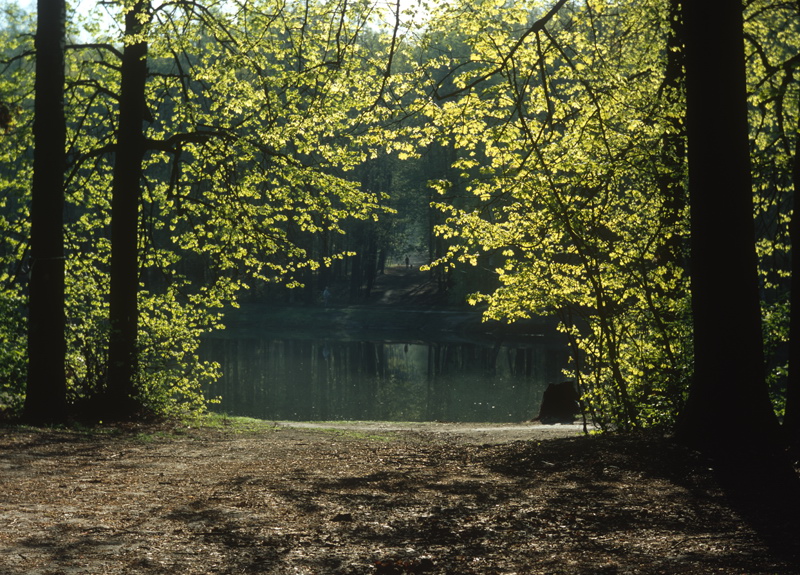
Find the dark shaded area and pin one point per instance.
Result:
(560, 403)
(765, 490)
(407, 286)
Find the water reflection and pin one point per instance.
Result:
(330, 379)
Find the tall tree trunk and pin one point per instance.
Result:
(671, 182)
(45, 401)
(792, 419)
(729, 380)
(123, 312)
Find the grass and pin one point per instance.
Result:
(353, 434)
(222, 421)
(148, 432)
(251, 425)
(169, 428)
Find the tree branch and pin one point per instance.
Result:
(535, 27)
(97, 46)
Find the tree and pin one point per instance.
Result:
(242, 160)
(128, 157)
(556, 149)
(46, 390)
(567, 136)
(773, 58)
(729, 379)
(17, 79)
(792, 419)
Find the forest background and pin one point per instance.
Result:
(535, 152)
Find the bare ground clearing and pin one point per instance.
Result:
(366, 499)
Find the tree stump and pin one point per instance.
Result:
(560, 403)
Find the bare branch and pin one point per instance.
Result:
(96, 46)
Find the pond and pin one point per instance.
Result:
(340, 367)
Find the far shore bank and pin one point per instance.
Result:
(372, 322)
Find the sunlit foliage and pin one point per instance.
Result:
(562, 148)
(772, 44)
(255, 116)
(16, 158)
(548, 135)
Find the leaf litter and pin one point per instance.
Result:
(307, 501)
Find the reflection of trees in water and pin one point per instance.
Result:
(499, 383)
(320, 380)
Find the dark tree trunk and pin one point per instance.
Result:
(728, 414)
(792, 419)
(45, 401)
(123, 313)
(673, 150)
(356, 271)
(728, 408)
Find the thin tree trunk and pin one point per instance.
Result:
(45, 401)
(123, 312)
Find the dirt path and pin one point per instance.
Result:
(363, 500)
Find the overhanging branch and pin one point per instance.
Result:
(535, 27)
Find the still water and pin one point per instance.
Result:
(392, 378)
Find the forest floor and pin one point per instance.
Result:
(377, 499)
